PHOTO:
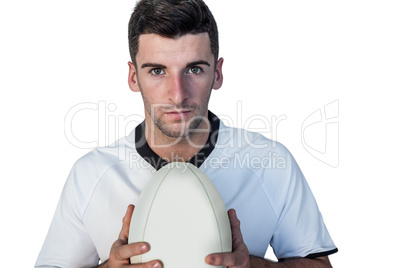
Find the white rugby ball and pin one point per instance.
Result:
(181, 214)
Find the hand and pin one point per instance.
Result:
(121, 251)
(239, 257)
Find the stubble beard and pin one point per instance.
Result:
(182, 129)
(186, 129)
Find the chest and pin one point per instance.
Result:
(239, 190)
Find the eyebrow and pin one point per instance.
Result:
(153, 65)
(199, 62)
(160, 66)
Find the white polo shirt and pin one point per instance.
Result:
(256, 176)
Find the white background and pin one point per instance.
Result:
(282, 58)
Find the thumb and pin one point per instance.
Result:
(126, 224)
(237, 237)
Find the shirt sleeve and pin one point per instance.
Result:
(67, 243)
(300, 230)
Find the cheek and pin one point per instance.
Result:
(199, 89)
(157, 90)
(152, 90)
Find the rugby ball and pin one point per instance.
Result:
(181, 214)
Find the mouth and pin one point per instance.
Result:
(178, 114)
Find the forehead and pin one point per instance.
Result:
(155, 48)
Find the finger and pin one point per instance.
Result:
(224, 259)
(151, 264)
(237, 237)
(126, 251)
(141, 248)
(126, 223)
(239, 257)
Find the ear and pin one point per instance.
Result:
(218, 74)
(132, 77)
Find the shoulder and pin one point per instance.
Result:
(266, 160)
(89, 170)
(245, 143)
(269, 160)
(95, 163)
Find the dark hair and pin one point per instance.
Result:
(171, 19)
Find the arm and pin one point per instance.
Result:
(321, 262)
(240, 257)
(121, 252)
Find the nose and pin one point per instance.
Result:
(178, 91)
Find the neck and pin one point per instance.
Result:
(178, 149)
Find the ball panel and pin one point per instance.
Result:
(196, 222)
(182, 216)
(218, 206)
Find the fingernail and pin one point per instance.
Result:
(143, 248)
(156, 265)
(212, 260)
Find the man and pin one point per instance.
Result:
(175, 66)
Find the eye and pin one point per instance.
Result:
(157, 71)
(194, 70)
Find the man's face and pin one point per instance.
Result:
(175, 78)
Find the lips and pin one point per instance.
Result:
(178, 114)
